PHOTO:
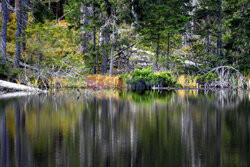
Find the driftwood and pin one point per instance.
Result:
(17, 87)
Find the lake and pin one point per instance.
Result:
(122, 129)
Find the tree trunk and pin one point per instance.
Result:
(112, 60)
(208, 35)
(5, 17)
(168, 50)
(219, 38)
(17, 4)
(155, 66)
(106, 37)
(17, 87)
(24, 23)
(18, 36)
(94, 48)
(134, 14)
(57, 9)
(94, 43)
(86, 35)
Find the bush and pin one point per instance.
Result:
(146, 79)
(6, 72)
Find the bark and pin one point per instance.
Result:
(208, 36)
(168, 50)
(24, 23)
(219, 39)
(18, 36)
(57, 9)
(134, 14)
(156, 66)
(5, 17)
(86, 35)
(94, 49)
(17, 4)
(94, 44)
(112, 60)
(106, 37)
(18, 87)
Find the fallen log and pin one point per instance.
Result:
(17, 87)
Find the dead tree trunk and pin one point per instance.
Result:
(94, 42)
(112, 60)
(18, 36)
(17, 87)
(135, 24)
(219, 38)
(86, 35)
(106, 38)
(5, 17)
(24, 24)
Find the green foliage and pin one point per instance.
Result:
(6, 71)
(206, 78)
(148, 79)
(166, 19)
(41, 12)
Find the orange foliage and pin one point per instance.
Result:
(105, 82)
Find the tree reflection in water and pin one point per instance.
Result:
(106, 128)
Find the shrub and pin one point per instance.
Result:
(146, 79)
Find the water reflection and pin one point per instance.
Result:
(174, 128)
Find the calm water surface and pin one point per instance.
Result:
(174, 128)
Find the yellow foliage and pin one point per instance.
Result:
(62, 23)
(182, 80)
(187, 81)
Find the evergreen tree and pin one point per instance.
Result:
(159, 20)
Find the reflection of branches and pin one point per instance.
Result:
(227, 99)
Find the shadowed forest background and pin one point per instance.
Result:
(59, 43)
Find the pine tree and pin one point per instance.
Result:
(159, 20)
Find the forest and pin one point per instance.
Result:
(124, 83)
(145, 43)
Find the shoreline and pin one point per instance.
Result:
(12, 94)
